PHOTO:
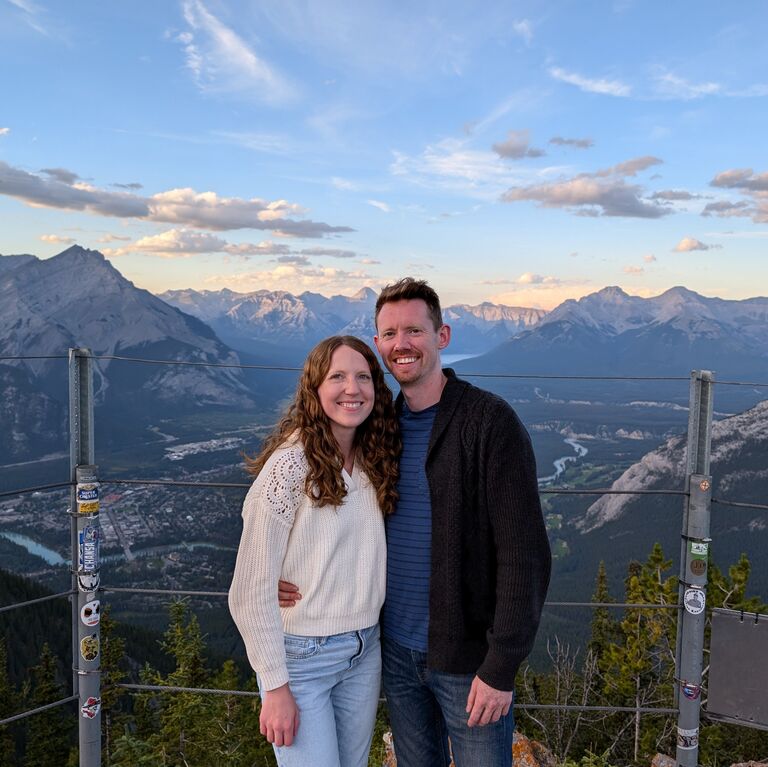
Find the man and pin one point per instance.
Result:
(468, 560)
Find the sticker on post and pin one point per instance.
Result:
(699, 549)
(88, 550)
(687, 738)
(694, 600)
(87, 491)
(87, 507)
(90, 614)
(88, 582)
(91, 707)
(690, 690)
(698, 566)
(89, 647)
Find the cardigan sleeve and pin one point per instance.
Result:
(268, 514)
(523, 557)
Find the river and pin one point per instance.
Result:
(560, 463)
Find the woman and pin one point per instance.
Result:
(314, 515)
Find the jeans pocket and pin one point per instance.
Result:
(298, 647)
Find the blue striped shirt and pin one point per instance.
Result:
(405, 617)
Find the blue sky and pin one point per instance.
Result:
(519, 152)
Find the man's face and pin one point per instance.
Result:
(407, 341)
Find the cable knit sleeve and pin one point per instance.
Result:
(269, 511)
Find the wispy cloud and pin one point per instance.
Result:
(591, 85)
(330, 252)
(517, 146)
(634, 270)
(524, 29)
(4, 131)
(649, 258)
(688, 244)
(576, 143)
(295, 277)
(600, 193)
(672, 86)
(674, 195)
(452, 164)
(382, 206)
(32, 14)
(185, 207)
(223, 62)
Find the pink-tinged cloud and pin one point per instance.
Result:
(688, 244)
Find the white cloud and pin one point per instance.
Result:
(4, 131)
(743, 180)
(380, 205)
(55, 239)
(344, 184)
(529, 278)
(687, 244)
(672, 86)
(331, 252)
(222, 62)
(452, 165)
(182, 243)
(600, 193)
(517, 146)
(605, 87)
(523, 29)
(295, 278)
(543, 295)
(185, 207)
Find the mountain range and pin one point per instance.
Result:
(280, 323)
(612, 333)
(78, 298)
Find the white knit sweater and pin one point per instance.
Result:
(335, 555)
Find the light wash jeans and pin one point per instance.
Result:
(336, 683)
(428, 707)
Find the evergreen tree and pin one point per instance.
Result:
(48, 733)
(112, 654)
(7, 697)
(638, 670)
(183, 738)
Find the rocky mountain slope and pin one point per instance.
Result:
(78, 299)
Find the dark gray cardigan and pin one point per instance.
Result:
(490, 554)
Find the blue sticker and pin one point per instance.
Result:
(88, 492)
(88, 554)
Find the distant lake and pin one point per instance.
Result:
(33, 547)
(449, 359)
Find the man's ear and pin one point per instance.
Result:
(443, 336)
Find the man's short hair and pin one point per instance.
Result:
(409, 289)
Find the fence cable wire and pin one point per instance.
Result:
(6, 608)
(38, 710)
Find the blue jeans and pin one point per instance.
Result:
(428, 707)
(335, 681)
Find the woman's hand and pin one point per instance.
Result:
(287, 593)
(279, 718)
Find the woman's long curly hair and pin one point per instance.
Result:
(377, 439)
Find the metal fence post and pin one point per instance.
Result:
(694, 551)
(86, 535)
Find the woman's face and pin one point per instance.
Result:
(346, 393)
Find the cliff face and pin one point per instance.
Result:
(739, 465)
